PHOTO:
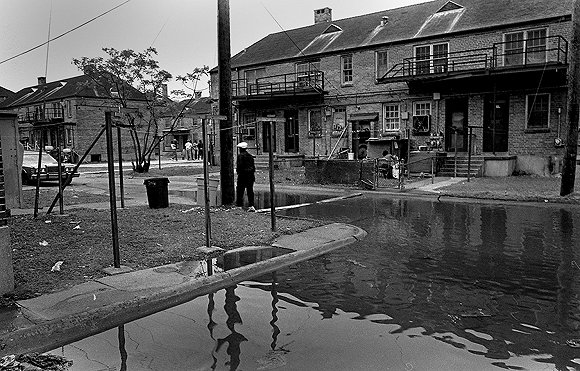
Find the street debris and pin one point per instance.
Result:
(573, 343)
(56, 266)
(34, 362)
(77, 227)
(43, 243)
(48, 221)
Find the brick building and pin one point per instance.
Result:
(71, 111)
(416, 78)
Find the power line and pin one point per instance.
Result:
(63, 34)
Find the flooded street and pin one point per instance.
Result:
(434, 286)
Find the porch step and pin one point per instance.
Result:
(448, 167)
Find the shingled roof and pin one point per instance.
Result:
(79, 86)
(414, 22)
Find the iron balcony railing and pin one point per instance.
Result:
(285, 84)
(42, 115)
(504, 55)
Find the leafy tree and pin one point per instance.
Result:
(127, 76)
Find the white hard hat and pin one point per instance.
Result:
(242, 145)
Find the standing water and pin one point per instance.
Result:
(434, 286)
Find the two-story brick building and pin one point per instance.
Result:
(70, 112)
(420, 77)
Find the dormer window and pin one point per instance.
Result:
(331, 29)
(449, 6)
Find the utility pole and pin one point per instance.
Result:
(225, 104)
(569, 162)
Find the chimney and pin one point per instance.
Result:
(42, 80)
(384, 20)
(323, 15)
(164, 90)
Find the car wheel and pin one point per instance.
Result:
(25, 178)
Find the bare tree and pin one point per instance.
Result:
(135, 81)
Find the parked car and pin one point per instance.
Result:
(48, 171)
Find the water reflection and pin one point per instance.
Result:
(507, 273)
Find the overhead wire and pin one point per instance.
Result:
(63, 34)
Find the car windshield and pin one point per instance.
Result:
(31, 159)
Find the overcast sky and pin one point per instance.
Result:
(183, 31)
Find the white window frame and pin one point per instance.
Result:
(378, 74)
(524, 53)
(392, 120)
(533, 97)
(344, 78)
(431, 60)
(422, 102)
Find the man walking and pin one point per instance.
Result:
(246, 176)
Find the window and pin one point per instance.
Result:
(248, 129)
(431, 58)
(251, 77)
(346, 69)
(391, 117)
(421, 118)
(315, 122)
(381, 64)
(68, 105)
(339, 120)
(538, 111)
(525, 47)
(307, 73)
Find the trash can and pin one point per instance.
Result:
(157, 194)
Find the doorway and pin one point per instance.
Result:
(361, 132)
(456, 121)
(291, 141)
(266, 136)
(496, 123)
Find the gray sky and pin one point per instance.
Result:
(183, 31)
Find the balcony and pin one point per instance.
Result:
(535, 54)
(290, 84)
(54, 114)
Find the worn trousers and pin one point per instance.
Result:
(242, 186)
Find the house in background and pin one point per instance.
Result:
(414, 79)
(68, 111)
(180, 121)
(5, 94)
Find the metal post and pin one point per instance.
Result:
(37, 193)
(59, 163)
(205, 188)
(271, 165)
(469, 155)
(159, 155)
(70, 175)
(120, 149)
(112, 196)
(455, 159)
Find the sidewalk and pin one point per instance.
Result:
(49, 321)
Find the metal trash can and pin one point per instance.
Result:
(157, 194)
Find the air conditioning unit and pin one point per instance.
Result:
(421, 124)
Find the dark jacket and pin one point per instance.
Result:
(245, 167)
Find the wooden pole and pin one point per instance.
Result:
(469, 156)
(112, 196)
(225, 105)
(569, 161)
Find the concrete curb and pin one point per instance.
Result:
(64, 330)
